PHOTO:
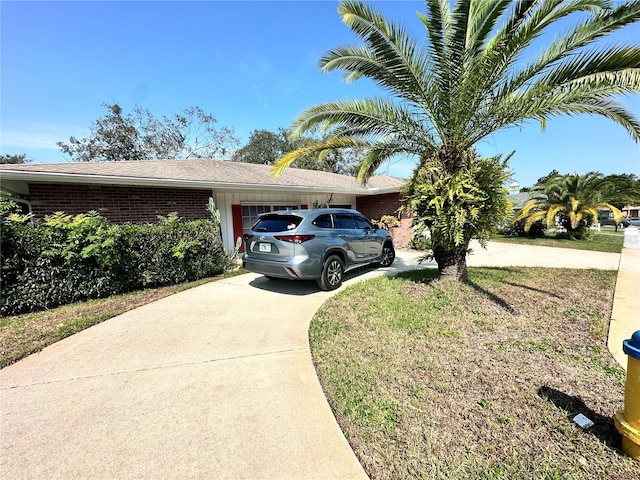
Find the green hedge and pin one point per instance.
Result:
(66, 258)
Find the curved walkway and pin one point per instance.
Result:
(213, 382)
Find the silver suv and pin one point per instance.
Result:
(318, 244)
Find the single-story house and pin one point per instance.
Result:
(631, 211)
(139, 191)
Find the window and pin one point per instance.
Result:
(363, 223)
(250, 213)
(344, 221)
(277, 223)
(323, 221)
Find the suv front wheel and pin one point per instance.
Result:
(332, 273)
(388, 255)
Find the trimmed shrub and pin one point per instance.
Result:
(538, 229)
(582, 233)
(387, 222)
(420, 242)
(66, 258)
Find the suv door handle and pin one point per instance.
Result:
(342, 236)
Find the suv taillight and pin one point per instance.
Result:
(294, 238)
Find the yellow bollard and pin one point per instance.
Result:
(628, 421)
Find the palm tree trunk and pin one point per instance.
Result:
(452, 263)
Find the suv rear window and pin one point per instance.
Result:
(276, 223)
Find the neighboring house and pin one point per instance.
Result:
(631, 211)
(519, 200)
(139, 191)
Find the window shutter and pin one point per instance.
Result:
(238, 231)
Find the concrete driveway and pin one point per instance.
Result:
(213, 382)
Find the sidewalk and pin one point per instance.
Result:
(625, 317)
(213, 382)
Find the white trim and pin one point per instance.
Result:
(278, 203)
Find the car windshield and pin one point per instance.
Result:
(276, 223)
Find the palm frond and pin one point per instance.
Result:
(617, 214)
(525, 24)
(390, 59)
(379, 116)
(369, 117)
(603, 22)
(531, 219)
(484, 17)
(588, 212)
(529, 208)
(376, 156)
(334, 143)
(613, 65)
(607, 71)
(436, 22)
(551, 213)
(542, 103)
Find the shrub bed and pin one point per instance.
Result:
(66, 259)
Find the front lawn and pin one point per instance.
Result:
(438, 380)
(600, 242)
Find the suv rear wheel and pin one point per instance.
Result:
(332, 272)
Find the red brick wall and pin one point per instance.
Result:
(119, 204)
(402, 234)
(376, 206)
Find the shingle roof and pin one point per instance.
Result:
(196, 173)
(519, 199)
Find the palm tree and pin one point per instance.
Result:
(474, 75)
(621, 190)
(571, 200)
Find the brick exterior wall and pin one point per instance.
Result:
(402, 234)
(119, 204)
(376, 206)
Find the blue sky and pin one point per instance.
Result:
(252, 64)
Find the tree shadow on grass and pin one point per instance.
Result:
(539, 290)
(603, 427)
(501, 302)
(421, 276)
(431, 275)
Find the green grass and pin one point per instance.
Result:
(430, 379)
(600, 242)
(23, 335)
(611, 230)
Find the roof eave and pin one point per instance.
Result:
(41, 177)
(381, 191)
